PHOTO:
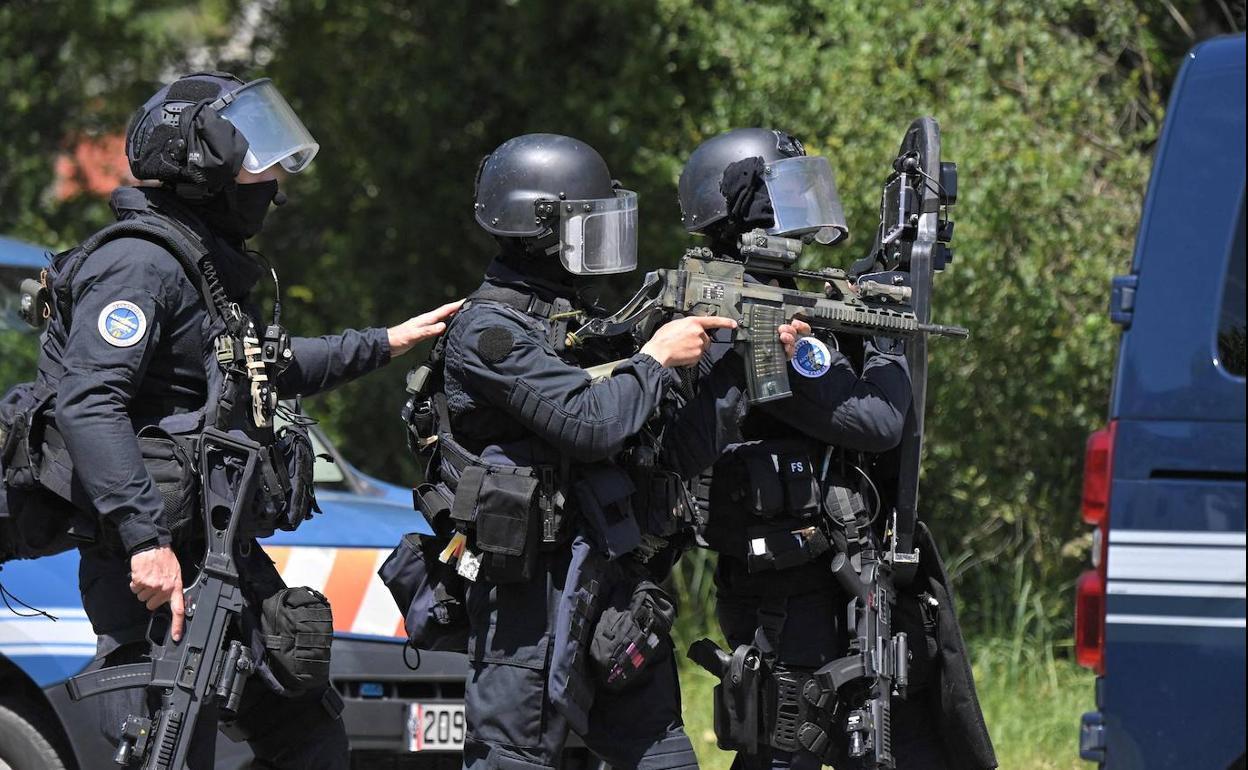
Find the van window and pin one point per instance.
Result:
(1231, 348)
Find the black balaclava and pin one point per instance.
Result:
(239, 210)
(745, 193)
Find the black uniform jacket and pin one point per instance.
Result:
(506, 385)
(118, 380)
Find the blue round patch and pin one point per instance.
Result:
(811, 357)
(122, 323)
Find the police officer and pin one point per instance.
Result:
(803, 458)
(565, 485)
(133, 355)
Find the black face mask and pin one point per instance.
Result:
(239, 211)
(251, 204)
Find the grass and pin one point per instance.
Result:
(1032, 708)
(1031, 692)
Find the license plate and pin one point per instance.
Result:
(435, 727)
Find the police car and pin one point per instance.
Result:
(395, 716)
(1160, 616)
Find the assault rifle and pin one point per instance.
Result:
(877, 303)
(203, 665)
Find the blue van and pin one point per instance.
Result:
(1160, 617)
(395, 717)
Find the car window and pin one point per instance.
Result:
(325, 471)
(19, 342)
(1231, 348)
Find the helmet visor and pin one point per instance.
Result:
(273, 131)
(599, 236)
(804, 199)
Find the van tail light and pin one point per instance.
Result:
(1090, 621)
(1098, 466)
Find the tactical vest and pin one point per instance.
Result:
(44, 510)
(499, 516)
(780, 504)
(483, 499)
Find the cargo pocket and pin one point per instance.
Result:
(506, 693)
(507, 526)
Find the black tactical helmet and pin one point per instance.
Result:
(161, 144)
(196, 133)
(538, 185)
(750, 174)
(701, 202)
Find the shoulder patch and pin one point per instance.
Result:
(122, 323)
(494, 343)
(811, 358)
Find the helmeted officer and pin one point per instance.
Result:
(566, 486)
(804, 460)
(132, 356)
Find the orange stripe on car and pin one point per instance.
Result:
(347, 582)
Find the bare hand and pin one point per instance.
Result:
(156, 579)
(425, 326)
(683, 341)
(790, 333)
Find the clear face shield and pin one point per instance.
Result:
(273, 131)
(804, 199)
(598, 236)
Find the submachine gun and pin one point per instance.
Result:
(890, 286)
(202, 665)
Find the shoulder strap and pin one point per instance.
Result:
(526, 302)
(186, 247)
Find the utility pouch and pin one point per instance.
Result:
(764, 492)
(427, 499)
(294, 448)
(34, 520)
(605, 494)
(801, 488)
(629, 640)
(768, 548)
(507, 526)
(21, 414)
(169, 463)
(298, 628)
(429, 594)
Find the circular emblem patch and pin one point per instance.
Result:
(812, 357)
(122, 323)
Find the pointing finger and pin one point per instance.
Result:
(714, 322)
(179, 611)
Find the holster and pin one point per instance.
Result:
(738, 701)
